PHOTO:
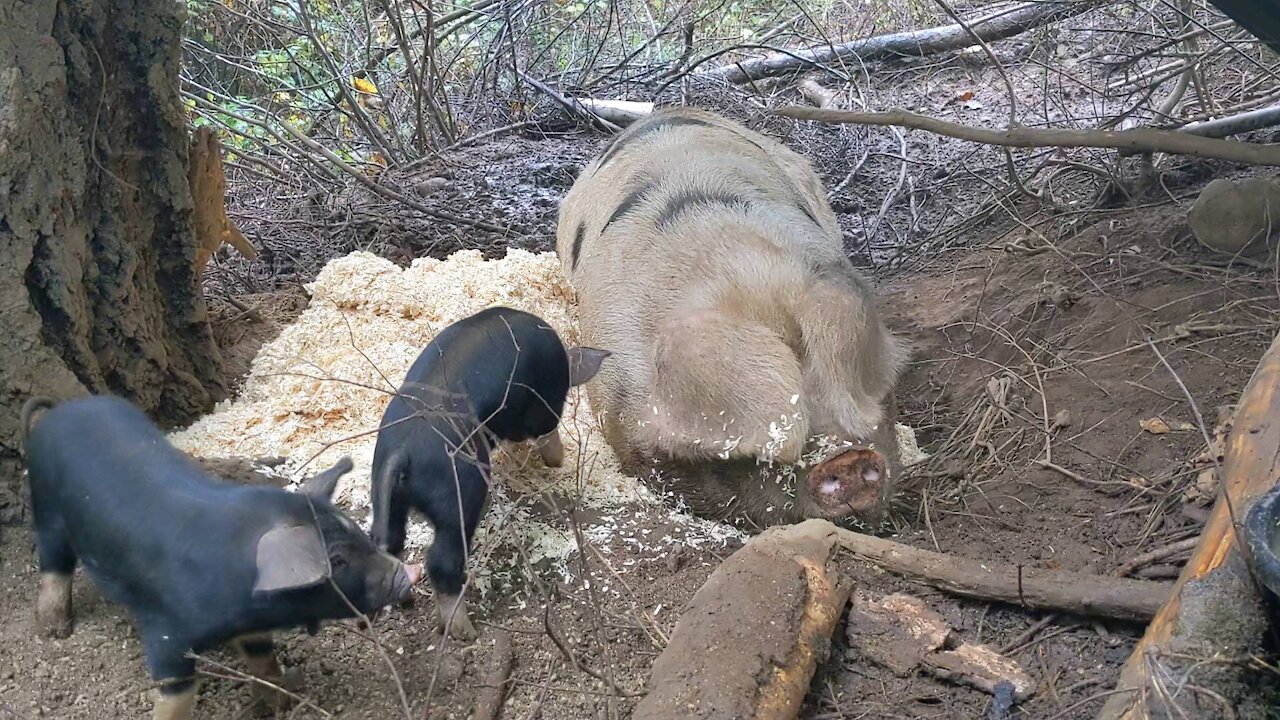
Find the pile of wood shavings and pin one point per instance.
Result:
(327, 379)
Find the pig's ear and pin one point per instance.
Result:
(290, 557)
(322, 485)
(584, 363)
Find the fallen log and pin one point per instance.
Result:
(901, 634)
(573, 105)
(1032, 588)
(618, 112)
(1215, 609)
(754, 634)
(1259, 119)
(1135, 140)
(1000, 25)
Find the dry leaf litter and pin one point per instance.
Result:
(322, 385)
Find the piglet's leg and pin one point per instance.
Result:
(259, 654)
(57, 563)
(446, 561)
(53, 607)
(175, 700)
(551, 449)
(171, 667)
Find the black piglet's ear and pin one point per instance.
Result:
(584, 363)
(290, 557)
(323, 484)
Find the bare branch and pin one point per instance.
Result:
(1136, 140)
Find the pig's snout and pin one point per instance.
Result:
(395, 583)
(414, 573)
(851, 483)
(406, 576)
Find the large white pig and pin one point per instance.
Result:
(706, 258)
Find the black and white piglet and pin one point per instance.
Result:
(196, 561)
(501, 374)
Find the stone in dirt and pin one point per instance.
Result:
(1235, 217)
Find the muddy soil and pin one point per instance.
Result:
(256, 319)
(1070, 320)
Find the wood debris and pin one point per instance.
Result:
(902, 634)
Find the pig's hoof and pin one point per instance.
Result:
(56, 628)
(268, 701)
(551, 449)
(850, 483)
(53, 606)
(463, 630)
(456, 621)
(460, 628)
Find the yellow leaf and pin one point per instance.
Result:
(364, 86)
(1154, 425)
(1158, 426)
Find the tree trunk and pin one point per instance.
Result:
(98, 290)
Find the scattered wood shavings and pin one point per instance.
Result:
(909, 452)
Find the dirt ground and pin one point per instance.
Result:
(990, 326)
(1029, 344)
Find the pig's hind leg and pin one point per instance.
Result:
(465, 491)
(57, 563)
(723, 387)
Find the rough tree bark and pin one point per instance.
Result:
(97, 250)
